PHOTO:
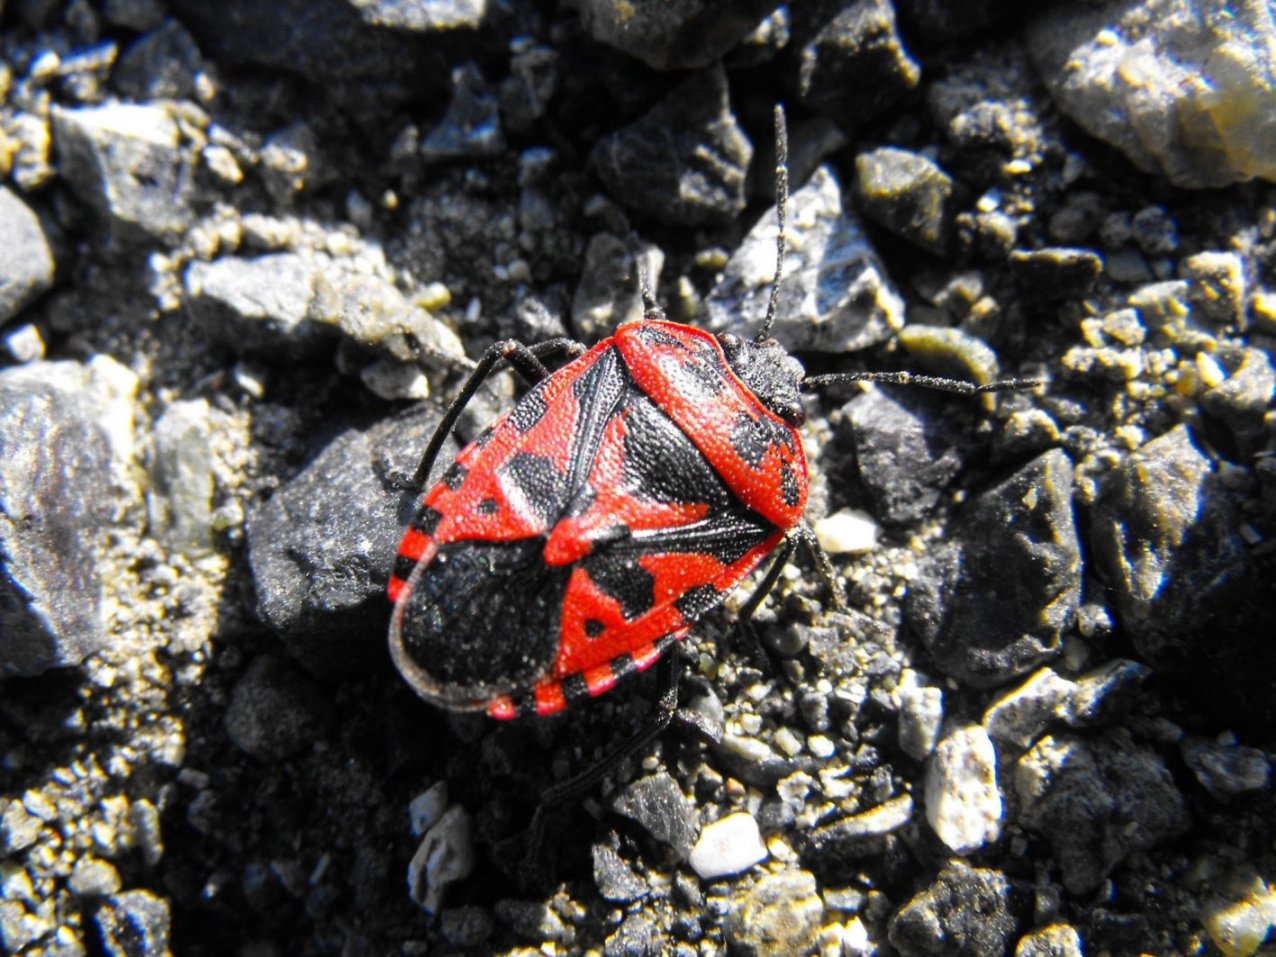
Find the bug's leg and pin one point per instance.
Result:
(744, 619)
(782, 556)
(805, 535)
(526, 360)
(662, 713)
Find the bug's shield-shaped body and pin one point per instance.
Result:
(623, 497)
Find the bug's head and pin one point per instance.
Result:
(771, 374)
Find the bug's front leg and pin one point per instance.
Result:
(526, 360)
(804, 536)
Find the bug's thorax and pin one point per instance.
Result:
(769, 372)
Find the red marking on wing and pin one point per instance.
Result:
(549, 696)
(502, 708)
(414, 544)
(658, 368)
(600, 679)
(675, 576)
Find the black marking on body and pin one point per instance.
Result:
(752, 437)
(581, 502)
(789, 486)
(454, 475)
(661, 463)
(594, 627)
(702, 379)
(727, 535)
(542, 486)
(403, 567)
(482, 619)
(574, 687)
(698, 601)
(426, 520)
(654, 335)
(529, 410)
(617, 575)
(622, 666)
(489, 506)
(598, 391)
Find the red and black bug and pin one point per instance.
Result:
(623, 497)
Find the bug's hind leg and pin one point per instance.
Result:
(526, 850)
(526, 360)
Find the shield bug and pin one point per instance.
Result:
(623, 497)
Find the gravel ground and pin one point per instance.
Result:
(245, 251)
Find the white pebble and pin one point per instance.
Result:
(848, 532)
(427, 807)
(963, 801)
(728, 846)
(446, 855)
(821, 747)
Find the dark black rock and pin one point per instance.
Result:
(1055, 273)
(852, 62)
(941, 20)
(161, 65)
(276, 711)
(1183, 585)
(1242, 399)
(466, 926)
(993, 601)
(657, 805)
(905, 452)
(26, 258)
(139, 15)
(659, 165)
(678, 35)
(614, 877)
(60, 494)
(608, 292)
(909, 195)
(1096, 801)
(471, 127)
(1226, 770)
(966, 912)
(322, 546)
(328, 40)
(526, 93)
(134, 924)
(837, 850)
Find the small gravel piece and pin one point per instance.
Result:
(657, 804)
(26, 258)
(728, 846)
(963, 801)
(781, 913)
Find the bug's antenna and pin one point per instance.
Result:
(941, 383)
(650, 308)
(781, 200)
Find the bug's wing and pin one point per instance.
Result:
(478, 620)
